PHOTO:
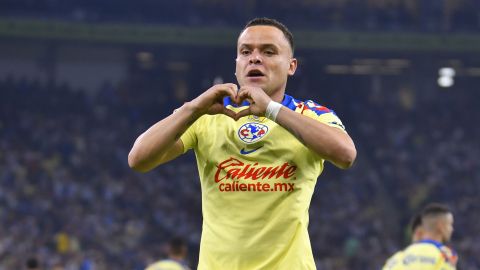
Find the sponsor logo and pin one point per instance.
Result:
(237, 172)
(252, 132)
(423, 259)
(233, 168)
(246, 152)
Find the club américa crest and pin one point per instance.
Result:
(252, 132)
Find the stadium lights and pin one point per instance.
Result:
(446, 75)
(446, 72)
(445, 81)
(370, 66)
(145, 60)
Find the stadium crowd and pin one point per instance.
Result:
(69, 199)
(372, 15)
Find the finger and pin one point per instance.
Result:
(236, 95)
(242, 92)
(229, 89)
(234, 91)
(233, 86)
(245, 95)
(243, 113)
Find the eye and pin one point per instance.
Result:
(244, 52)
(269, 52)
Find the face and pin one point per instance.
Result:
(264, 59)
(446, 227)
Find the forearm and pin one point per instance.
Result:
(152, 147)
(328, 142)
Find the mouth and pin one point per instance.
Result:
(255, 73)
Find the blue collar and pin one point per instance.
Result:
(433, 242)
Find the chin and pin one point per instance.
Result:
(255, 84)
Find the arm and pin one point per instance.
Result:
(328, 142)
(161, 142)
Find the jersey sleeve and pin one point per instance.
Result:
(321, 114)
(450, 258)
(189, 137)
(167, 264)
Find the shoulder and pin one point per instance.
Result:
(306, 106)
(314, 110)
(166, 265)
(398, 255)
(449, 255)
(394, 261)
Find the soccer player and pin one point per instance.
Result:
(416, 232)
(259, 152)
(177, 252)
(430, 251)
(33, 264)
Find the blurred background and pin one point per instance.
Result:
(80, 80)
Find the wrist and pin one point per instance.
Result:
(273, 108)
(192, 109)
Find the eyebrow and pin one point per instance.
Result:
(262, 46)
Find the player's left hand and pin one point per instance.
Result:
(257, 98)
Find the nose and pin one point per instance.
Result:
(255, 58)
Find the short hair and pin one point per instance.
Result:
(415, 222)
(272, 22)
(177, 245)
(434, 210)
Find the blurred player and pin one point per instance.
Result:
(177, 253)
(430, 251)
(32, 264)
(416, 232)
(259, 153)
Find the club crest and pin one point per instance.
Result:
(252, 132)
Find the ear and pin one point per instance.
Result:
(440, 226)
(292, 66)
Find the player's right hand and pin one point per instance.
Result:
(211, 101)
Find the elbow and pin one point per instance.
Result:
(347, 157)
(135, 163)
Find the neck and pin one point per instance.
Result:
(176, 257)
(432, 236)
(277, 96)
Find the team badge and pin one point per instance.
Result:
(252, 132)
(256, 118)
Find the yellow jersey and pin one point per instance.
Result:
(394, 262)
(168, 264)
(424, 255)
(257, 181)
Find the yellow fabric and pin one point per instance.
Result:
(166, 265)
(257, 181)
(394, 262)
(423, 256)
(63, 242)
